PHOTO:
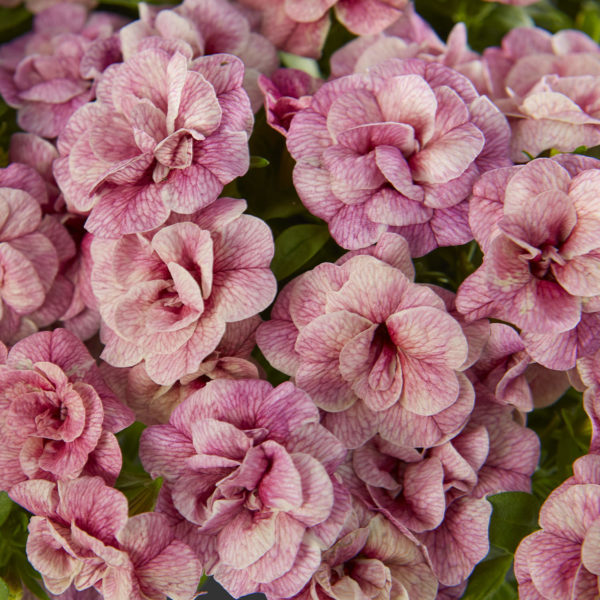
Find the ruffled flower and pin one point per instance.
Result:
(178, 133)
(165, 297)
(376, 352)
(562, 560)
(397, 148)
(34, 251)
(539, 228)
(49, 73)
(80, 535)
(154, 403)
(301, 26)
(208, 27)
(57, 416)
(252, 470)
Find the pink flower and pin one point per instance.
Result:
(538, 226)
(80, 534)
(588, 369)
(301, 26)
(438, 493)
(57, 416)
(209, 27)
(287, 92)
(562, 560)
(165, 297)
(558, 112)
(529, 53)
(510, 374)
(411, 37)
(251, 467)
(372, 559)
(154, 403)
(376, 352)
(82, 317)
(179, 133)
(397, 148)
(34, 249)
(49, 73)
(39, 154)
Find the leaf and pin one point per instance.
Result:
(515, 515)
(301, 63)
(295, 246)
(13, 22)
(3, 590)
(588, 20)
(258, 162)
(6, 505)
(487, 578)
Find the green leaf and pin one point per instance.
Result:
(515, 516)
(13, 22)
(588, 20)
(295, 246)
(488, 577)
(301, 63)
(258, 162)
(3, 590)
(6, 505)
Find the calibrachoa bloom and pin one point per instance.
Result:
(80, 534)
(529, 53)
(251, 467)
(562, 560)
(154, 403)
(372, 559)
(49, 73)
(558, 112)
(287, 92)
(397, 148)
(438, 493)
(57, 416)
(209, 27)
(538, 226)
(179, 132)
(34, 249)
(301, 26)
(376, 352)
(511, 376)
(165, 297)
(411, 37)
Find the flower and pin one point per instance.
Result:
(558, 113)
(209, 27)
(372, 559)
(165, 297)
(252, 469)
(301, 27)
(154, 403)
(561, 561)
(179, 133)
(34, 249)
(376, 352)
(397, 148)
(80, 534)
(49, 73)
(538, 228)
(57, 416)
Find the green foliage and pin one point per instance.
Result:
(515, 515)
(14, 22)
(564, 430)
(296, 246)
(588, 19)
(488, 578)
(3, 590)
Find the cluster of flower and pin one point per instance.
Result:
(366, 475)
